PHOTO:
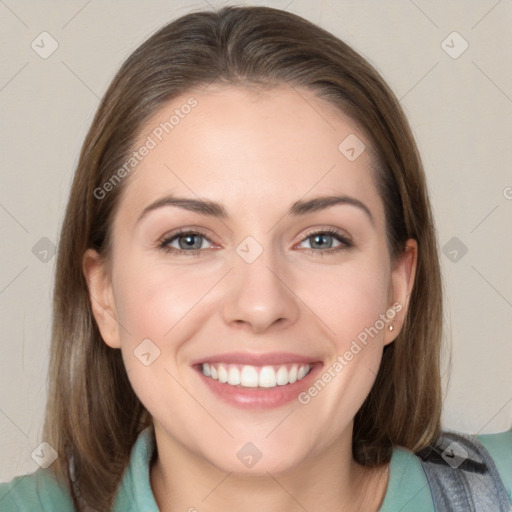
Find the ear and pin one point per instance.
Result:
(101, 296)
(402, 278)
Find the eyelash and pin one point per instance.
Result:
(345, 243)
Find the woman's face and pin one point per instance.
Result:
(231, 249)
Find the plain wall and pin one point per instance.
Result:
(459, 108)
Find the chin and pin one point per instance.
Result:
(256, 459)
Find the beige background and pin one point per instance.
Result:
(460, 110)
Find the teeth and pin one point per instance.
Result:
(249, 377)
(282, 376)
(256, 376)
(292, 376)
(223, 374)
(301, 373)
(234, 376)
(267, 377)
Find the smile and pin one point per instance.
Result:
(247, 376)
(257, 381)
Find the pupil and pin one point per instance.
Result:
(319, 238)
(189, 241)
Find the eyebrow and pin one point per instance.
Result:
(213, 209)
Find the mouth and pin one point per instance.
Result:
(257, 381)
(248, 376)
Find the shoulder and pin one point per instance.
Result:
(499, 447)
(38, 491)
(409, 489)
(41, 492)
(471, 469)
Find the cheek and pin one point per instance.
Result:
(155, 304)
(152, 299)
(349, 301)
(347, 298)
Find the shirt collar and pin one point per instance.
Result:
(135, 491)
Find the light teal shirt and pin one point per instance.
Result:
(408, 489)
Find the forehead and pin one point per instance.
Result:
(251, 147)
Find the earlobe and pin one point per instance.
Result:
(101, 297)
(403, 276)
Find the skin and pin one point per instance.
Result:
(256, 153)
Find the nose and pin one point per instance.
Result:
(260, 295)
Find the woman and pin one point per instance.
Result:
(248, 302)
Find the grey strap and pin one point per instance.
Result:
(462, 475)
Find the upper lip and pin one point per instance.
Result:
(256, 359)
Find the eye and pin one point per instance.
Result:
(189, 241)
(323, 242)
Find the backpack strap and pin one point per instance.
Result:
(462, 475)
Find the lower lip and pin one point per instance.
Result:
(260, 398)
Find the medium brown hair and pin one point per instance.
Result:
(93, 416)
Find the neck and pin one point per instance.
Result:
(331, 481)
